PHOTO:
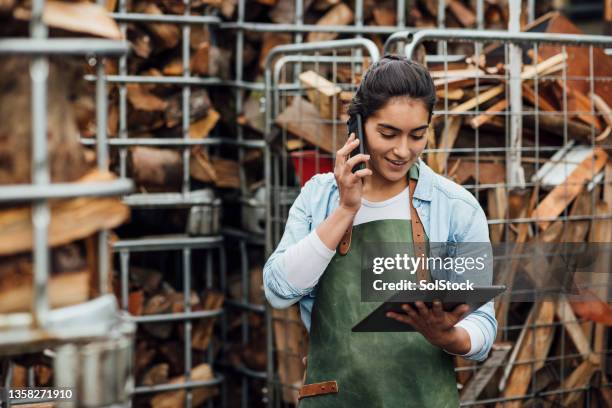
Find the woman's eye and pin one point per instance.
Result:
(386, 134)
(417, 135)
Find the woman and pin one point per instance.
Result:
(395, 100)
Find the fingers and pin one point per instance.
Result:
(460, 311)
(355, 160)
(422, 309)
(400, 317)
(436, 310)
(349, 146)
(363, 173)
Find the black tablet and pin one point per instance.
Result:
(377, 321)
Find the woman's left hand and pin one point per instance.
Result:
(436, 325)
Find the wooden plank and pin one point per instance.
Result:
(302, 119)
(530, 95)
(464, 14)
(449, 136)
(485, 373)
(497, 208)
(534, 347)
(579, 378)
(451, 95)
(341, 14)
(566, 315)
(485, 117)
(323, 94)
(560, 197)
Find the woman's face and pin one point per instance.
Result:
(396, 136)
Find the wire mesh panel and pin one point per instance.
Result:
(527, 133)
(171, 277)
(307, 89)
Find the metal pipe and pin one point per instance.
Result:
(459, 35)
(62, 46)
(165, 18)
(514, 170)
(28, 192)
(41, 215)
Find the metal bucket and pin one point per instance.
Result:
(99, 373)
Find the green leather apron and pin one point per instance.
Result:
(371, 369)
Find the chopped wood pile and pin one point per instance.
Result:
(74, 223)
(160, 357)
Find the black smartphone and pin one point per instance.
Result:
(356, 126)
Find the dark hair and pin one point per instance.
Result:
(390, 77)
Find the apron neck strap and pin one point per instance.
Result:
(418, 234)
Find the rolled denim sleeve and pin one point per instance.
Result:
(477, 231)
(279, 292)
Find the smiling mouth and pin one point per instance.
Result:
(397, 163)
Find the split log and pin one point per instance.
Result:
(269, 41)
(199, 61)
(302, 119)
(155, 168)
(70, 220)
(323, 94)
(158, 374)
(166, 36)
(340, 14)
(199, 105)
(384, 13)
(203, 329)
(64, 289)
(77, 17)
(224, 173)
(147, 279)
(66, 155)
(201, 128)
(173, 399)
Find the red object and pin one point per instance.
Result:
(307, 163)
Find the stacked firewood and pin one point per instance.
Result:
(74, 223)
(160, 357)
(586, 119)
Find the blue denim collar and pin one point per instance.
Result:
(424, 186)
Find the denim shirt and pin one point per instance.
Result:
(448, 212)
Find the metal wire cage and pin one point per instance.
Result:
(74, 332)
(533, 121)
(498, 132)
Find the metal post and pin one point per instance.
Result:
(39, 72)
(514, 170)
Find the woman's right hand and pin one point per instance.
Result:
(350, 184)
